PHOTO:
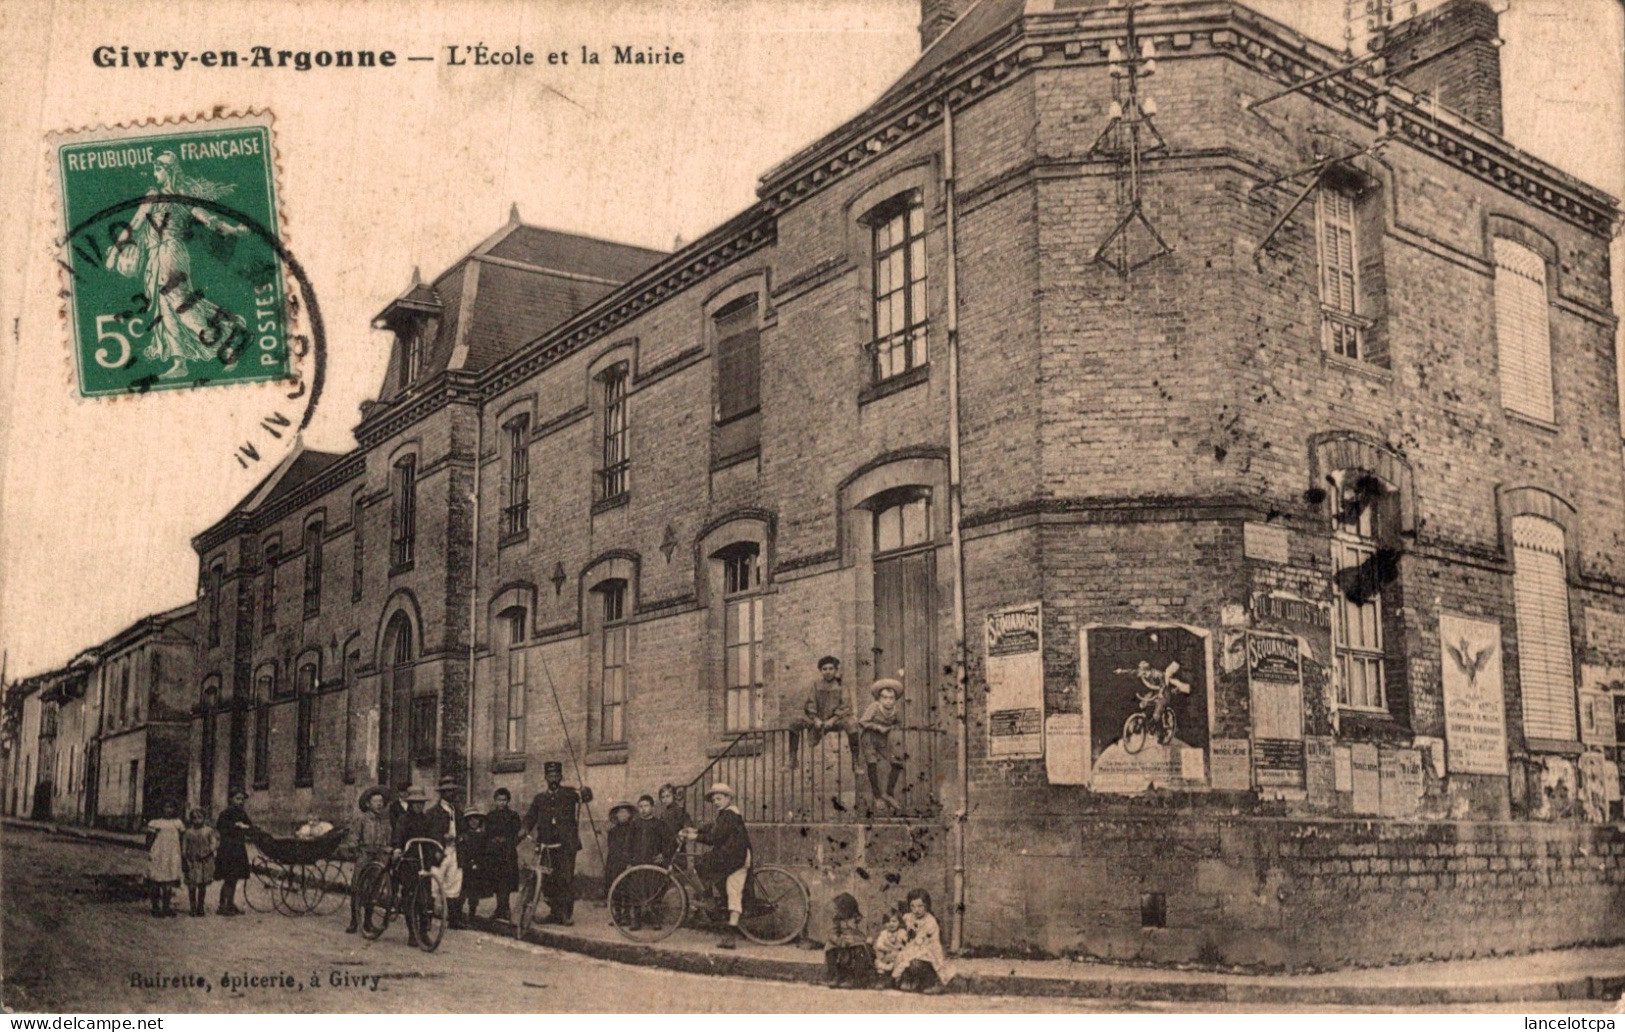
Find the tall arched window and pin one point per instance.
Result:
(1545, 647)
(396, 731)
(742, 607)
(305, 725)
(264, 688)
(1523, 333)
(1362, 511)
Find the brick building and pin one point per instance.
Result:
(138, 719)
(1285, 405)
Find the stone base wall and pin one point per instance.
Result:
(1293, 893)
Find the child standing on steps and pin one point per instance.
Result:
(164, 859)
(198, 844)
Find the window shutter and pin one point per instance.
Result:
(1523, 331)
(738, 374)
(1545, 651)
(1337, 257)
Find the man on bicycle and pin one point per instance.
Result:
(1164, 684)
(726, 866)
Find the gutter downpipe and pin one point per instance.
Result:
(955, 516)
(474, 595)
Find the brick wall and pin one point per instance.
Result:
(1292, 893)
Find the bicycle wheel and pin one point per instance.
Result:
(428, 912)
(776, 907)
(1170, 727)
(647, 903)
(530, 894)
(1134, 733)
(376, 891)
(326, 888)
(290, 895)
(263, 886)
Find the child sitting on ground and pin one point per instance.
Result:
(888, 944)
(849, 963)
(921, 966)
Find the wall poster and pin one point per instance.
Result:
(1275, 686)
(1474, 706)
(1147, 700)
(1015, 682)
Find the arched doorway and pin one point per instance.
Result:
(395, 702)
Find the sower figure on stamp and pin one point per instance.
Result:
(502, 850)
(825, 711)
(185, 325)
(554, 819)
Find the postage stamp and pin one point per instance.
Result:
(175, 270)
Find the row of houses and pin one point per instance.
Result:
(1285, 404)
(104, 740)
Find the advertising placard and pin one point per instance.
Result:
(1015, 682)
(1147, 699)
(1474, 707)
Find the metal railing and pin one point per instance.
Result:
(787, 775)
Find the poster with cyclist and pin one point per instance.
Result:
(1147, 706)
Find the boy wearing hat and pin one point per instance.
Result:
(825, 711)
(619, 856)
(881, 744)
(554, 819)
(416, 822)
(726, 864)
(369, 839)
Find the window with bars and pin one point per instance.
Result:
(612, 665)
(403, 513)
(357, 552)
(513, 725)
(742, 637)
(268, 587)
(1359, 667)
(1342, 328)
(305, 727)
(516, 514)
(217, 576)
(897, 262)
(313, 568)
(422, 726)
(1545, 649)
(613, 456)
(1523, 331)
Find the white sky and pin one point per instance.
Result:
(384, 170)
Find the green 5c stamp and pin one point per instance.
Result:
(175, 271)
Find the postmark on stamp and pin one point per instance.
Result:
(174, 260)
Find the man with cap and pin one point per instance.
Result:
(725, 866)
(415, 823)
(555, 820)
(445, 809)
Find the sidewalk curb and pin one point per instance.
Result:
(130, 840)
(1172, 990)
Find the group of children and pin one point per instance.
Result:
(906, 953)
(644, 833)
(177, 852)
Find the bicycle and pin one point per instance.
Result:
(650, 901)
(408, 885)
(1138, 725)
(531, 887)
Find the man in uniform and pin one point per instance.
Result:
(554, 819)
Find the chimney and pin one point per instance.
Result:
(936, 16)
(1452, 52)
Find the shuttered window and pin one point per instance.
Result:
(738, 360)
(1341, 329)
(1545, 651)
(1523, 331)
